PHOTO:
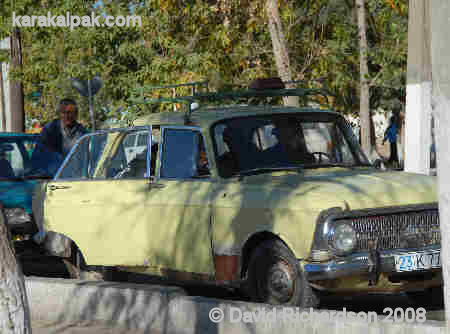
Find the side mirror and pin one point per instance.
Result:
(6, 148)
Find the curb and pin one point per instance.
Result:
(169, 310)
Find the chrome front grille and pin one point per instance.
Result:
(414, 229)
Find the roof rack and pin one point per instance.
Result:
(276, 90)
(139, 95)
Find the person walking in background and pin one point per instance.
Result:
(391, 135)
(61, 134)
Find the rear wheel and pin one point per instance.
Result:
(275, 277)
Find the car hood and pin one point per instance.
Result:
(17, 194)
(350, 189)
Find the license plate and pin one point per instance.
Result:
(418, 261)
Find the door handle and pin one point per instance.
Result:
(53, 187)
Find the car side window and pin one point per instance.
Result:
(183, 154)
(103, 156)
(142, 139)
(77, 166)
(129, 141)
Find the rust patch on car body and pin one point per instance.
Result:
(227, 268)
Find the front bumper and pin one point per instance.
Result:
(359, 263)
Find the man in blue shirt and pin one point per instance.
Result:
(391, 135)
(61, 134)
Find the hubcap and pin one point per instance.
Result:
(281, 281)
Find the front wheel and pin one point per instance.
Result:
(275, 277)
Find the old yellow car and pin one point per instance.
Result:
(277, 201)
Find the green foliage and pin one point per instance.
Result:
(223, 41)
(335, 61)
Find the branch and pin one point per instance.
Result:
(372, 82)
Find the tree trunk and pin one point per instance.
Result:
(440, 56)
(2, 100)
(364, 111)
(14, 310)
(16, 100)
(280, 50)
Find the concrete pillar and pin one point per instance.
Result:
(418, 89)
(440, 50)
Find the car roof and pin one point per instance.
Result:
(205, 117)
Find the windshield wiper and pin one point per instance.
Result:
(262, 170)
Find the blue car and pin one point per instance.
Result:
(23, 162)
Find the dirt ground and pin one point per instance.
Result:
(80, 328)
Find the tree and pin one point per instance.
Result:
(280, 49)
(16, 86)
(14, 310)
(228, 40)
(53, 55)
(2, 101)
(364, 111)
(383, 60)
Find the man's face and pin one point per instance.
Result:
(68, 115)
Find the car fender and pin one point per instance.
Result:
(232, 228)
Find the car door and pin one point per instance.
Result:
(99, 202)
(180, 202)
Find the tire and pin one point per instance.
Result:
(275, 277)
(74, 267)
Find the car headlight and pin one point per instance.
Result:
(17, 216)
(343, 239)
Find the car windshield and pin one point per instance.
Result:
(24, 157)
(284, 142)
